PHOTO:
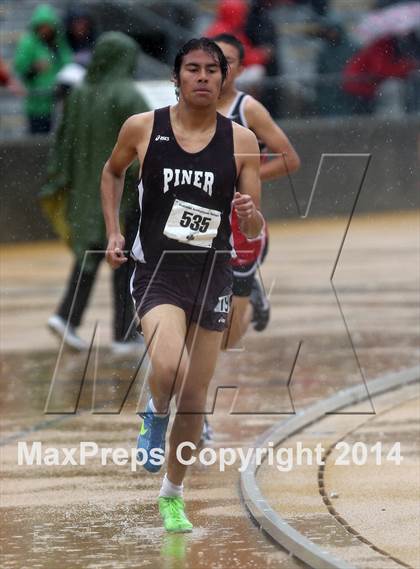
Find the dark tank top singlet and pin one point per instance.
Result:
(237, 114)
(185, 198)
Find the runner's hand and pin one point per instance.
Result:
(243, 205)
(115, 251)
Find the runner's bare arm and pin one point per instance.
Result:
(247, 198)
(112, 185)
(266, 130)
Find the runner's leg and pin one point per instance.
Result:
(203, 347)
(240, 318)
(164, 328)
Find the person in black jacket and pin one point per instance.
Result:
(80, 34)
(262, 32)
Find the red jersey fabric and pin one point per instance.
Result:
(248, 251)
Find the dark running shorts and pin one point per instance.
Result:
(185, 288)
(243, 277)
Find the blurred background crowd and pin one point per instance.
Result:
(303, 58)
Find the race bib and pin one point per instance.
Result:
(192, 224)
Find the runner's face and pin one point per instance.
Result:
(235, 68)
(200, 78)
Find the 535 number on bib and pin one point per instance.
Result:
(195, 222)
(192, 224)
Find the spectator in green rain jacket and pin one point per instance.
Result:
(40, 55)
(93, 114)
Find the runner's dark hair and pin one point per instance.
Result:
(206, 45)
(233, 41)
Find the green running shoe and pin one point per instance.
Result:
(172, 511)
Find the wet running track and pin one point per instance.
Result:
(95, 516)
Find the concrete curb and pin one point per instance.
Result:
(269, 520)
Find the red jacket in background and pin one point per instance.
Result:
(231, 19)
(4, 74)
(372, 65)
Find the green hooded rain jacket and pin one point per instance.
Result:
(93, 115)
(30, 50)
